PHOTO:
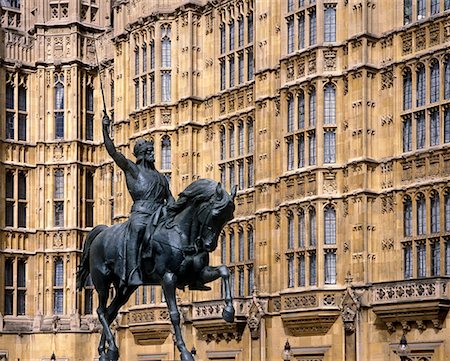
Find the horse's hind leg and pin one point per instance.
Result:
(169, 285)
(113, 351)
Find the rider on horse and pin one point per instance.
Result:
(150, 192)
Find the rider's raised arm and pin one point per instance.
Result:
(118, 157)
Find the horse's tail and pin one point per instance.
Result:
(83, 268)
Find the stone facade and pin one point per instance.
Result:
(333, 118)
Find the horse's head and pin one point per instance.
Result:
(212, 215)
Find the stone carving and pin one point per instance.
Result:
(301, 67)
(295, 302)
(349, 307)
(434, 34)
(290, 71)
(420, 39)
(387, 78)
(255, 315)
(329, 60)
(407, 43)
(312, 66)
(387, 203)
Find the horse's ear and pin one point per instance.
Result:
(233, 192)
(219, 191)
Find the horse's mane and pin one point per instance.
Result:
(196, 193)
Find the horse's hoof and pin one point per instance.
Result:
(113, 355)
(186, 356)
(228, 314)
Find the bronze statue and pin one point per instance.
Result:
(172, 241)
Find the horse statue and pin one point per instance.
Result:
(176, 256)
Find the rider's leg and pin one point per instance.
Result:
(137, 230)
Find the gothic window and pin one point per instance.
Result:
(421, 9)
(89, 113)
(301, 150)
(223, 175)
(312, 227)
(447, 211)
(407, 12)
(222, 75)
(89, 193)
(301, 30)
(251, 280)
(152, 54)
(231, 141)
(136, 94)
(407, 217)
(301, 270)
(329, 146)
(435, 130)
(240, 31)
(241, 174)
(9, 287)
(420, 130)
(312, 107)
(434, 82)
(407, 134)
(250, 62)
(330, 23)
(166, 51)
(58, 284)
(301, 228)
(408, 262)
(232, 176)
(144, 58)
(112, 93)
(290, 230)
(22, 200)
(58, 198)
(22, 117)
(232, 246)
(421, 214)
(152, 89)
(231, 35)
(240, 138)
(312, 269)
(222, 38)
(290, 113)
(59, 106)
(166, 86)
(222, 143)
(290, 5)
(329, 105)
(301, 110)
(290, 271)
(241, 282)
(435, 258)
(330, 267)
(420, 85)
(407, 90)
(447, 78)
(240, 68)
(136, 61)
(250, 136)
(421, 259)
(446, 4)
(447, 125)
(290, 153)
(290, 35)
(166, 153)
(447, 257)
(435, 213)
(250, 243)
(241, 245)
(144, 91)
(21, 286)
(231, 70)
(250, 28)
(15, 286)
(9, 202)
(312, 26)
(250, 172)
(10, 111)
(330, 225)
(312, 148)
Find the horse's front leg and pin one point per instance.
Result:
(209, 274)
(169, 283)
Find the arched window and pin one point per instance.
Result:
(222, 143)
(407, 12)
(421, 214)
(250, 243)
(447, 210)
(59, 106)
(231, 140)
(312, 107)
(312, 227)
(290, 113)
(301, 228)
(434, 81)
(420, 85)
(290, 153)
(166, 152)
(240, 31)
(231, 34)
(330, 225)
(240, 138)
(231, 246)
(166, 51)
(301, 109)
(421, 9)
(435, 213)
(329, 104)
(407, 217)
(241, 245)
(250, 136)
(290, 230)
(447, 78)
(89, 113)
(222, 38)
(58, 286)
(407, 89)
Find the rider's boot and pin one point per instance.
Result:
(135, 278)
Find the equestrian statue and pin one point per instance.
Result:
(164, 242)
